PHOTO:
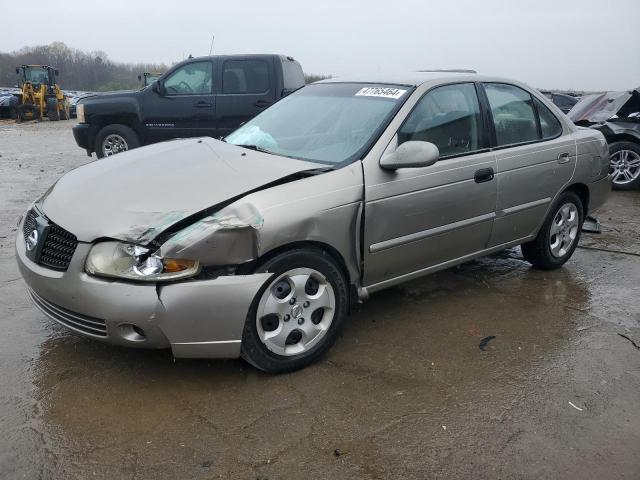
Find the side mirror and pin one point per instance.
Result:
(412, 154)
(158, 87)
(17, 71)
(56, 72)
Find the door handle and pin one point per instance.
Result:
(262, 103)
(563, 157)
(203, 104)
(483, 175)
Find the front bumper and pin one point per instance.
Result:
(82, 135)
(197, 319)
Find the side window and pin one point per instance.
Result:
(549, 124)
(190, 79)
(245, 76)
(447, 116)
(513, 114)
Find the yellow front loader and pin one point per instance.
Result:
(40, 94)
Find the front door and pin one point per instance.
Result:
(247, 88)
(418, 218)
(187, 107)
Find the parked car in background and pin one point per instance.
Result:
(256, 246)
(617, 116)
(74, 98)
(9, 103)
(208, 96)
(561, 100)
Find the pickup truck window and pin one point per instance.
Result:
(245, 76)
(190, 79)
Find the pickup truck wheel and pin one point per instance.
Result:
(625, 165)
(114, 139)
(559, 235)
(297, 314)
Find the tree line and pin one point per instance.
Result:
(80, 70)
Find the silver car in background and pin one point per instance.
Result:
(257, 246)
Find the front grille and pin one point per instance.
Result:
(58, 246)
(95, 327)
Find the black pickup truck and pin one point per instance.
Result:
(206, 96)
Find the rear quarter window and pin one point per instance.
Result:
(549, 123)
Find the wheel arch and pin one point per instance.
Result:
(311, 245)
(623, 137)
(583, 193)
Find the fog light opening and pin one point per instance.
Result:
(132, 333)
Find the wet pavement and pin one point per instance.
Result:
(406, 392)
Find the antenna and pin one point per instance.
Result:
(211, 47)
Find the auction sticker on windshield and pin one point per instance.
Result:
(384, 92)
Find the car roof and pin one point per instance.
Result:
(418, 78)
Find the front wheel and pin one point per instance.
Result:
(297, 314)
(114, 139)
(559, 235)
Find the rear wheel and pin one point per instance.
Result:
(559, 235)
(114, 139)
(625, 165)
(297, 315)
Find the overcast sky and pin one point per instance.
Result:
(581, 44)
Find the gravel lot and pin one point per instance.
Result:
(405, 393)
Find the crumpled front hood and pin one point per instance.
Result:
(134, 196)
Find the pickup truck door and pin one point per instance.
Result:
(246, 86)
(187, 107)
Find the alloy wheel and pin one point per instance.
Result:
(114, 143)
(625, 166)
(564, 230)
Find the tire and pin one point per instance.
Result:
(559, 235)
(625, 165)
(64, 113)
(316, 333)
(52, 110)
(115, 138)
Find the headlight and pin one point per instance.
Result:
(133, 262)
(80, 112)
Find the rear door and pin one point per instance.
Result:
(188, 106)
(417, 218)
(247, 87)
(535, 159)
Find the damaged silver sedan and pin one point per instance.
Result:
(257, 246)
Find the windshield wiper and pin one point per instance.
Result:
(256, 148)
(316, 171)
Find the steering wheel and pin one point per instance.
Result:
(185, 87)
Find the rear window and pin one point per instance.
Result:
(245, 76)
(513, 114)
(292, 74)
